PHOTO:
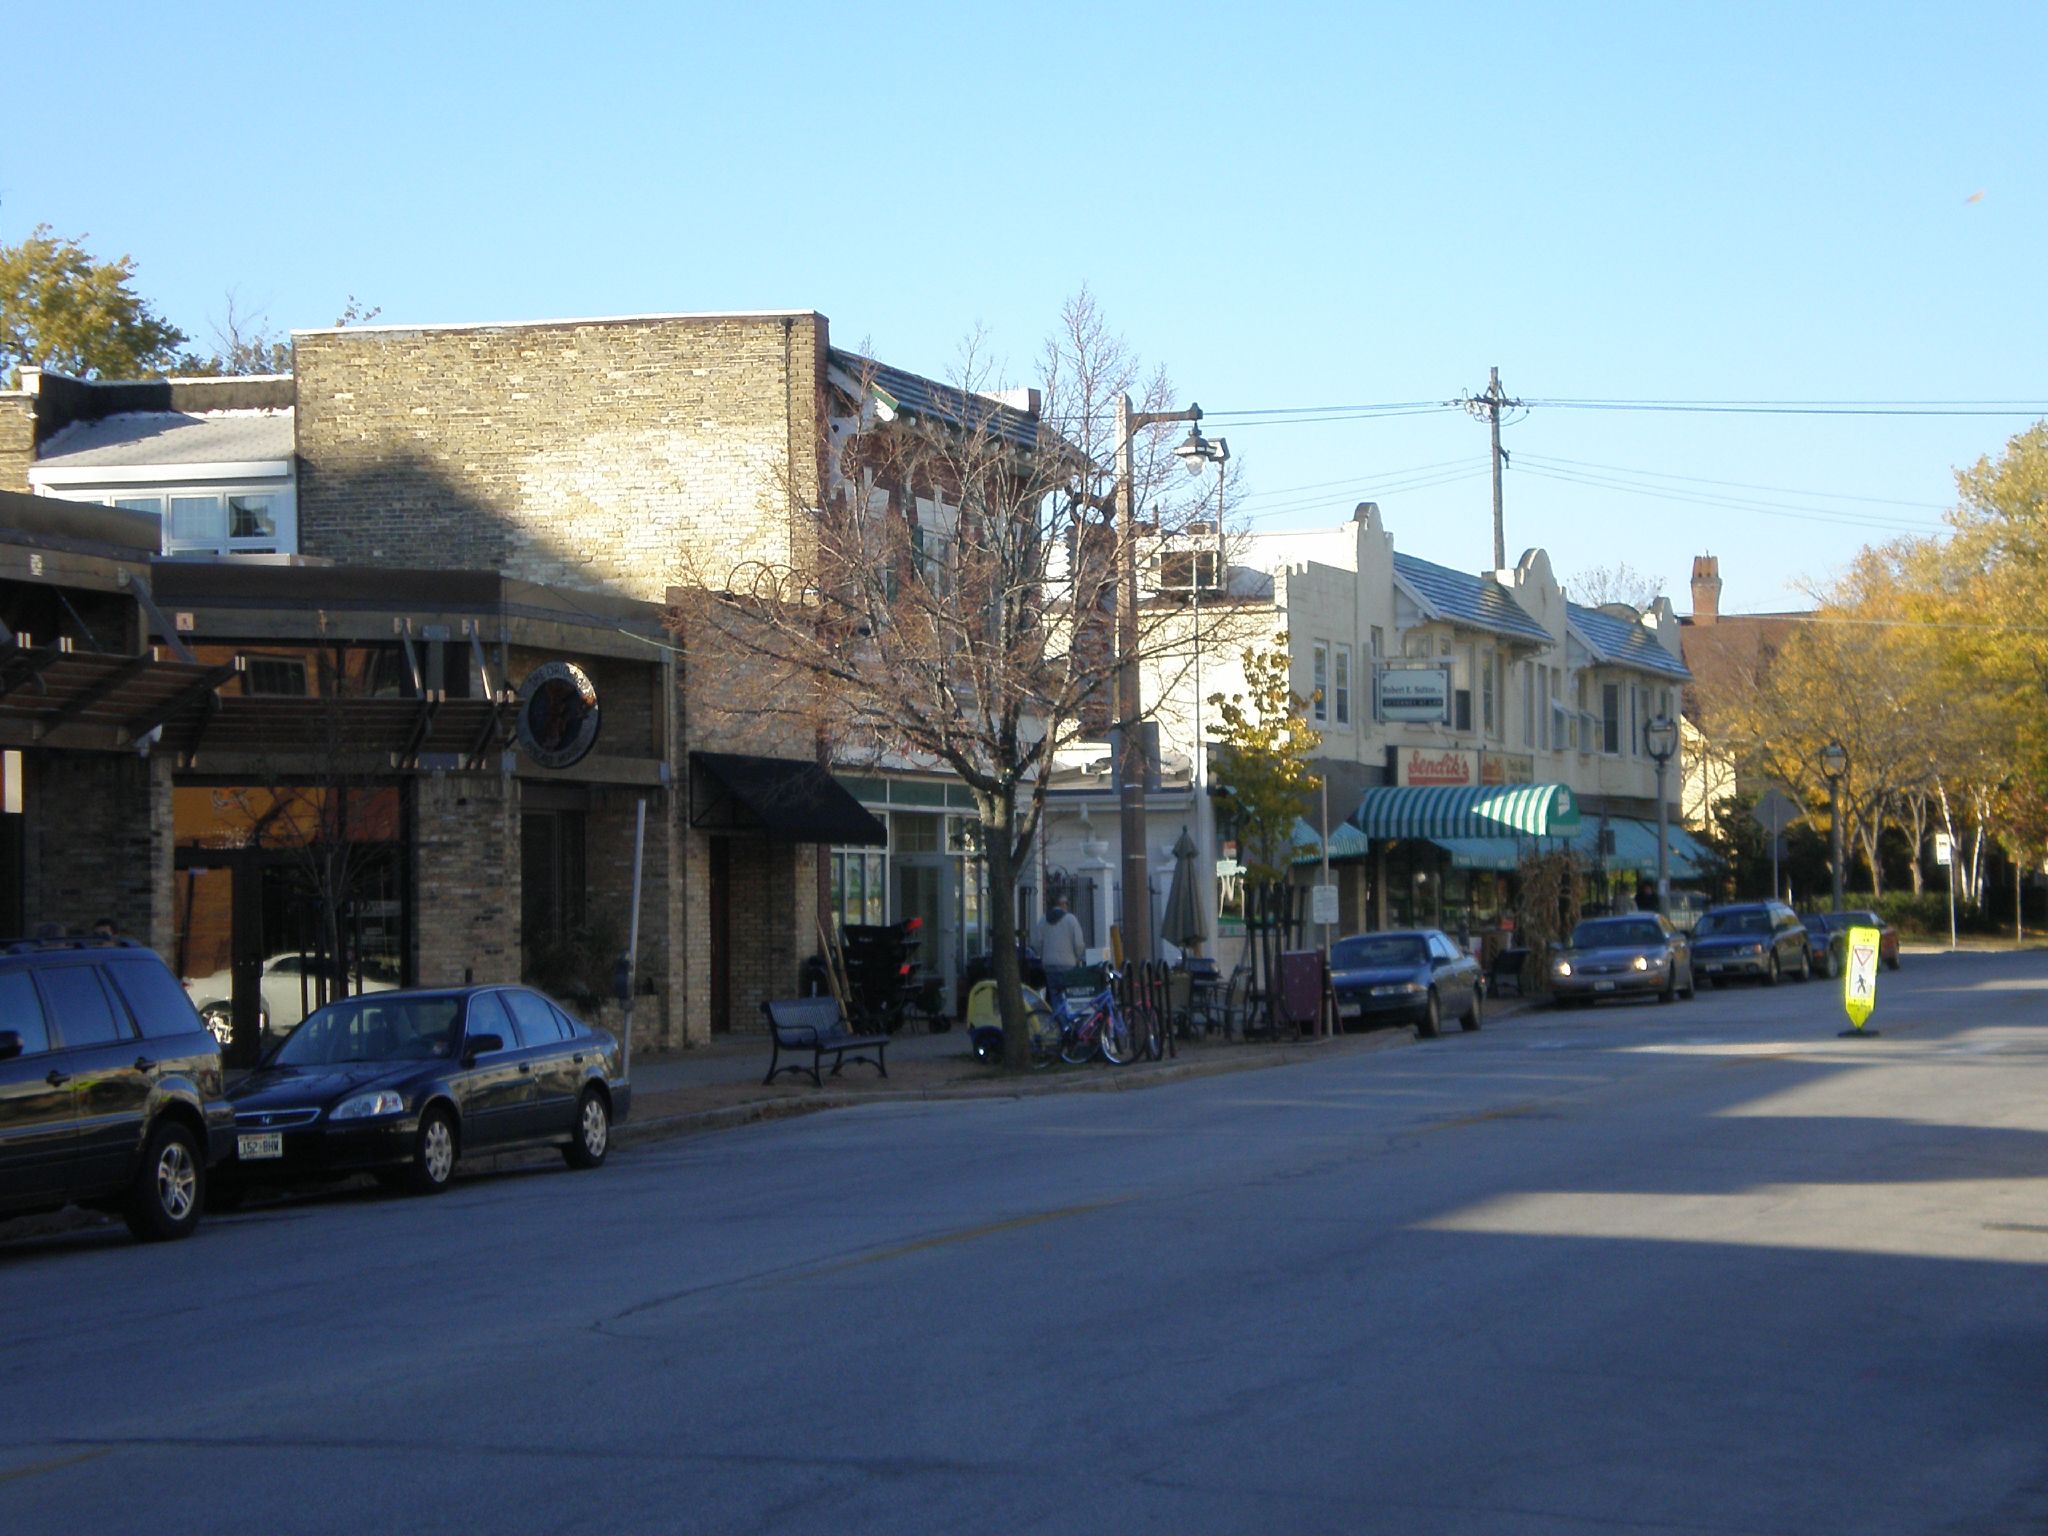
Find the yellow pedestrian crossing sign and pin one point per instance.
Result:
(1859, 977)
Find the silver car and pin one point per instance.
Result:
(1633, 954)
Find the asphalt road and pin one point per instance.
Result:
(1699, 1268)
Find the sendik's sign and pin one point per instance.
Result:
(1455, 765)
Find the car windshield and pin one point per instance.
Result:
(1376, 950)
(1816, 922)
(1854, 920)
(1626, 930)
(374, 1027)
(1750, 921)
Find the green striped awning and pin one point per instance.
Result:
(1346, 842)
(1466, 810)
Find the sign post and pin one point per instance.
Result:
(1945, 856)
(1774, 812)
(1859, 982)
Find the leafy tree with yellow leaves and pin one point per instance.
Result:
(1264, 745)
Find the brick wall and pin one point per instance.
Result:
(620, 455)
(17, 439)
(99, 843)
(466, 864)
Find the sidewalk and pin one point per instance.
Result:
(680, 1093)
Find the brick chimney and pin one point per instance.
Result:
(1706, 589)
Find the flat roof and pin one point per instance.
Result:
(524, 325)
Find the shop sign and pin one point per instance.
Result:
(558, 716)
(1413, 693)
(1506, 768)
(1434, 765)
(1455, 765)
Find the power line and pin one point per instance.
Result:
(1744, 485)
(1736, 504)
(1806, 407)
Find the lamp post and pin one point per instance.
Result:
(1834, 762)
(1136, 907)
(1205, 817)
(1660, 736)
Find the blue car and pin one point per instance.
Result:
(1417, 976)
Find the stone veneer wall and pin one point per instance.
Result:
(17, 439)
(621, 455)
(466, 865)
(99, 843)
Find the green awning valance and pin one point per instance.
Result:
(1466, 810)
(1346, 842)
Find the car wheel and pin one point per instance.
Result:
(1892, 964)
(434, 1151)
(592, 1137)
(1771, 969)
(1832, 966)
(1472, 1017)
(1805, 964)
(1431, 1022)
(1670, 992)
(169, 1188)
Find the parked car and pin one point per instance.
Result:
(1617, 956)
(1827, 936)
(110, 1086)
(1412, 977)
(403, 1084)
(289, 983)
(1761, 939)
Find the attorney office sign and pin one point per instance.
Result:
(1421, 694)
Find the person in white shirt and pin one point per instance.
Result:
(1061, 945)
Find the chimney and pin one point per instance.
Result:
(1706, 589)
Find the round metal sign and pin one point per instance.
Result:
(558, 715)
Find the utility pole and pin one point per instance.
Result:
(1489, 406)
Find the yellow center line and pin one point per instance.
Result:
(967, 1234)
(54, 1464)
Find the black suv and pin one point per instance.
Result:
(110, 1086)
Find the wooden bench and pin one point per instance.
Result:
(815, 1024)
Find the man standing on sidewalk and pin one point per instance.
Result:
(1061, 945)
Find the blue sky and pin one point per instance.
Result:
(1288, 205)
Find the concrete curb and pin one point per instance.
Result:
(1095, 1079)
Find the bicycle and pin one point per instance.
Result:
(1058, 1031)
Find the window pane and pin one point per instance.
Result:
(250, 517)
(22, 1011)
(154, 505)
(488, 1017)
(197, 520)
(536, 1020)
(79, 1004)
(159, 1004)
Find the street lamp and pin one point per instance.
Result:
(1834, 762)
(1660, 736)
(1136, 907)
(1217, 453)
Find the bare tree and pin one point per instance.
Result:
(1618, 583)
(951, 593)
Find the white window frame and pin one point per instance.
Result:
(1319, 681)
(1340, 683)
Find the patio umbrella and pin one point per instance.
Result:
(1182, 925)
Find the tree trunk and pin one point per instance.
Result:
(1916, 811)
(995, 811)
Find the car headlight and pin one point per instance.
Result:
(1399, 989)
(380, 1102)
(1752, 949)
(1564, 967)
(1641, 962)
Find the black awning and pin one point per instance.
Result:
(780, 797)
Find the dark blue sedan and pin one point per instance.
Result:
(1416, 976)
(404, 1084)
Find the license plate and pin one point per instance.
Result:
(1710, 966)
(1603, 986)
(260, 1145)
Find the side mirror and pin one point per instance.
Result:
(10, 1044)
(481, 1045)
